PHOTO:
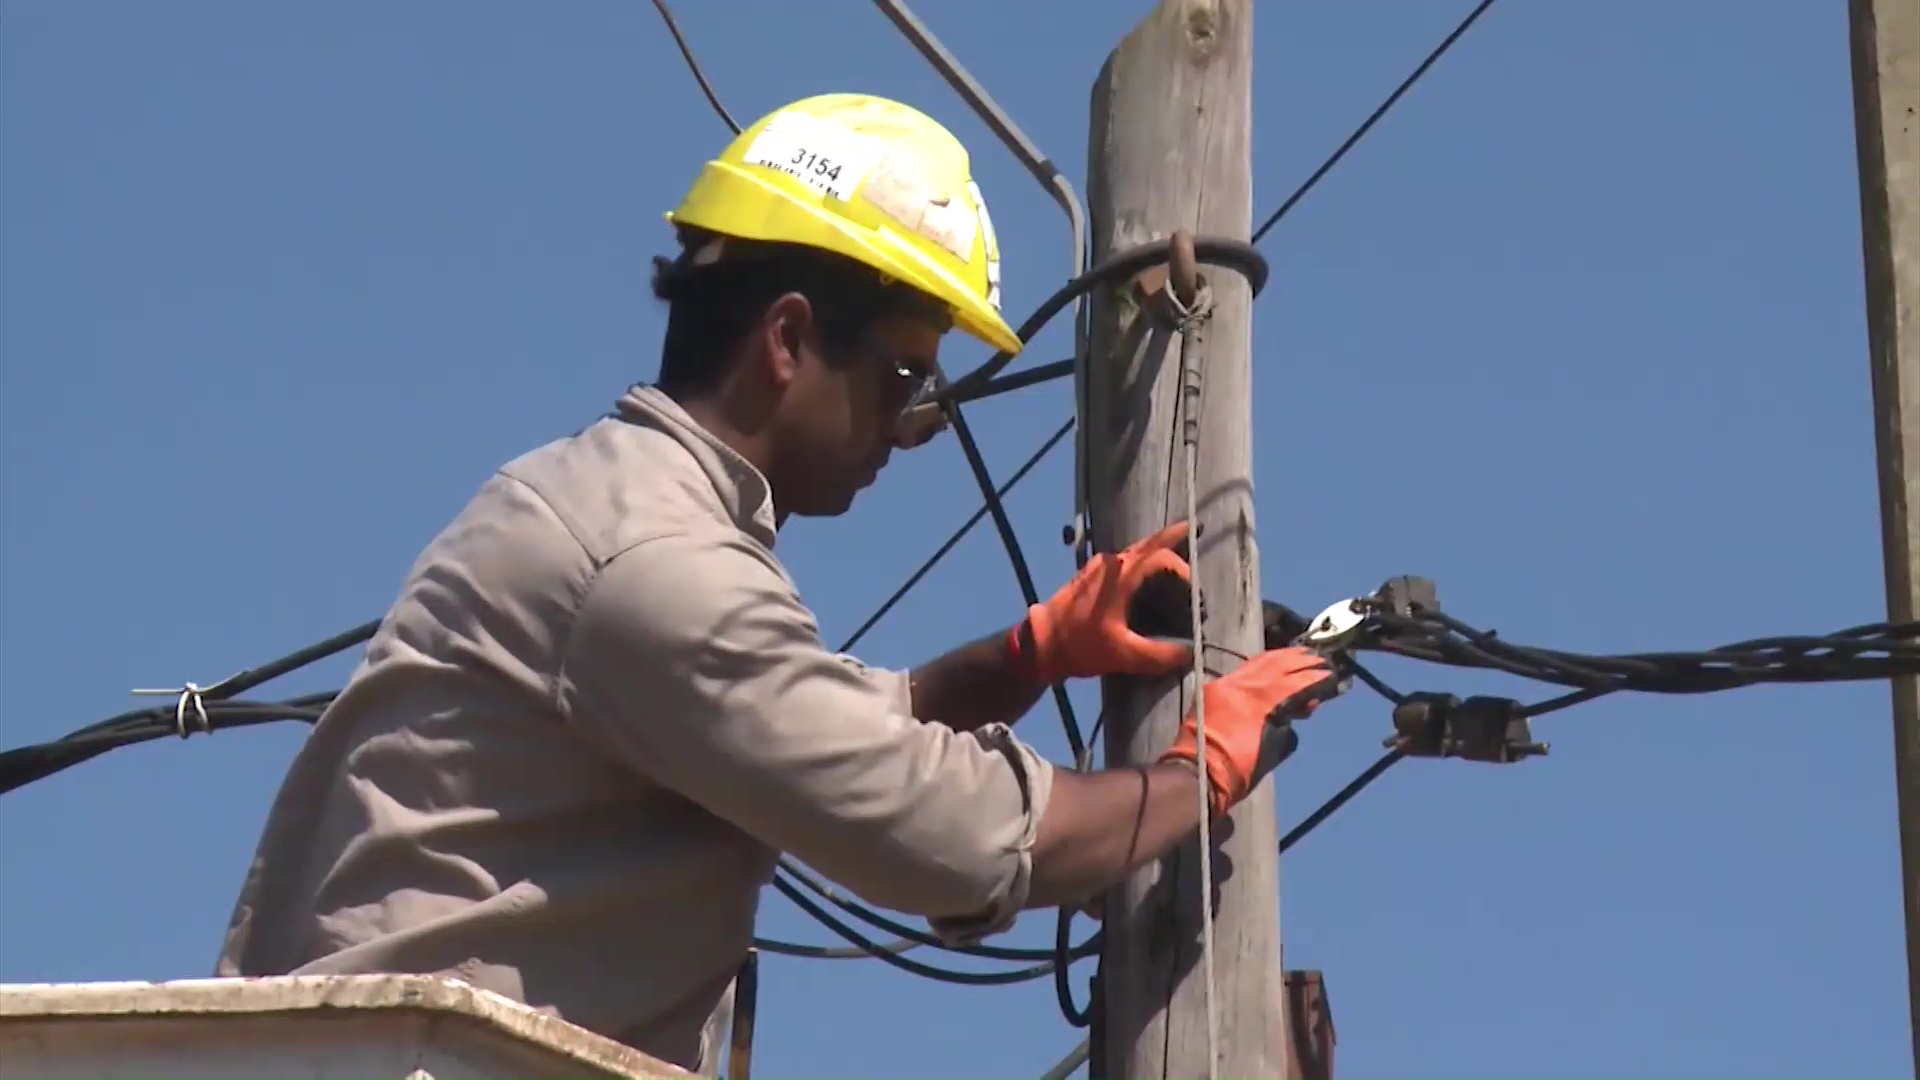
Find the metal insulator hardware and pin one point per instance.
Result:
(1489, 729)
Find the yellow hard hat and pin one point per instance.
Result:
(872, 179)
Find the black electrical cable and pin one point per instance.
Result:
(693, 65)
(1367, 125)
(293, 661)
(1564, 701)
(829, 952)
(1022, 573)
(1020, 380)
(854, 937)
(27, 764)
(1208, 250)
(958, 535)
(1354, 787)
(1062, 958)
(24, 765)
(1872, 652)
(18, 767)
(1429, 636)
(906, 933)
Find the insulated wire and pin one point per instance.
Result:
(963, 433)
(959, 534)
(1239, 255)
(872, 948)
(693, 65)
(1354, 787)
(908, 936)
(1367, 125)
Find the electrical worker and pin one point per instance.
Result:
(598, 710)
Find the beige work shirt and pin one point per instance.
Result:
(593, 718)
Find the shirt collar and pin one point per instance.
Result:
(741, 487)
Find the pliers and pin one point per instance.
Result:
(1337, 627)
(1338, 630)
(1161, 610)
(1330, 634)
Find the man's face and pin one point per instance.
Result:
(842, 412)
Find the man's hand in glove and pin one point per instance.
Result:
(1249, 714)
(1082, 632)
(1102, 825)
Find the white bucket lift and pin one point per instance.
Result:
(314, 1027)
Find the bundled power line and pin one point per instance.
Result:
(1412, 625)
(1418, 629)
(1868, 652)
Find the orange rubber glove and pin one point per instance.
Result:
(1082, 632)
(1249, 714)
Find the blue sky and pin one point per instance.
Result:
(1577, 332)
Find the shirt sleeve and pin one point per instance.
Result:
(694, 660)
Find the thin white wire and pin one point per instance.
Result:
(1190, 409)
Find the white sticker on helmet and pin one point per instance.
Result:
(992, 243)
(823, 155)
(900, 188)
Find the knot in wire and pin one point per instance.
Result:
(1190, 313)
(1175, 292)
(187, 696)
(1189, 300)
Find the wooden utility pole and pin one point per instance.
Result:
(1170, 149)
(1886, 102)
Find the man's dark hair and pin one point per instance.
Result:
(712, 304)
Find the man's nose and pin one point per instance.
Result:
(917, 425)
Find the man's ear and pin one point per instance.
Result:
(785, 327)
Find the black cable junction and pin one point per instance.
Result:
(1496, 729)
